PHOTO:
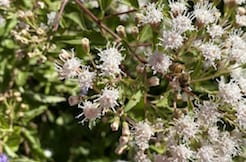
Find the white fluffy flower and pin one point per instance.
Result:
(241, 20)
(90, 111)
(227, 145)
(186, 127)
(215, 31)
(5, 3)
(181, 153)
(229, 92)
(69, 66)
(239, 75)
(207, 113)
(206, 154)
(159, 62)
(241, 115)
(85, 78)
(205, 12)
(140, 156)
(108, 99)
(111, 59)
(152, 14)
(171, 39)
(51, 17)
(177, 7)
(142, 134)
(183, 23)
(236, 47)
(213, 134)
(210, 52)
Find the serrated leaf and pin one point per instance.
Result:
(133, 101)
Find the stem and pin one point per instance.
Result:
(210, 77)
(57, 21)
(99, 23)
(145, 92)
(121, 13)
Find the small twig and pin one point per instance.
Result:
(59, 15)
(99, 23)
(141, 44)
(118, 14)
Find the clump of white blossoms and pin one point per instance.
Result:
(85, 78)
(159, 62)
(142, 133)
(91, 111)
(5, 3)
(51, 18)
(68, 66)
(111, 59)
(205, 13)
(183, 70)
(108, 99)
(152, 14)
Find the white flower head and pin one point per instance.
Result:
(140, 156)
(152, 14)
(207, 114)
(171, 39)
(241, 115)
(111, 59)
(205, 12)
(229, 92)
(236, 45)
(91, 111)
(142, 133)
(207, 154)
(213, 134)
(108, 99)
(2, 20)
(186, 127)
(177, 7)
(215, 31)
(181, 153)
(241, 20)
(159, 62)
(210, 52)
(69, 66)
(183, 22)
(5, 3)
(51, 18)
(85, 78)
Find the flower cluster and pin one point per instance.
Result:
(190, 75)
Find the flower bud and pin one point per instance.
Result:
(140, 68)
(241, 11)
(154, 81)
(73, 100)
(18, 99)
(86, 44)
(17, 94)
(134, 31)
(115, 124)
(123, 140)
(120, 149)
(121, 31)
(125, 129)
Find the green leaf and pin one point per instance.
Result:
(145, 34)
(104, 4)
(21, 78)
(9, 151)
(48, 99)
(75, 16)
(14, 139)
(133, 3)
(11, 25)
(35, 112)
(133, 101)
